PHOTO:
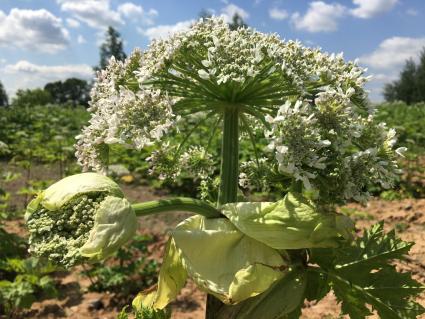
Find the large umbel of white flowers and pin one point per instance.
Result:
(310, 106)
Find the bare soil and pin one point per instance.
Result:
(75, 302)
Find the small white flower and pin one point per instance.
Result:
(401, 150)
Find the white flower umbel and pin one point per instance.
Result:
(331, 148)
(201, 72)
(127, 115)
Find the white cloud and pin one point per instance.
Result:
(370, 8)
(136, 13)
(278, 14)
(95, 13)
(320, 17)
(33, 30)
(99, 14)
(81, 39)
(393, 52)
(130, 10)
(412, 12)
(384, 78)
(24, 74)
(163, 31)
(72, 23)
(231, 9)
(387, 60)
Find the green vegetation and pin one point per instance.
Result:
(71, 91)
(410, 87)
(4, 100)
(409, 122)
(33, 135)
(122, 274)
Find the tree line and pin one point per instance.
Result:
(72, 91)
(410, 86)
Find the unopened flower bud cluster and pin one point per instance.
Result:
(59, 235)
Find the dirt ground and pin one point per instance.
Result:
(74, 302)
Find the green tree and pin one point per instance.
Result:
(420, 76)
(205, 14)
(237, 22)
(410, 87)
(4, 100)
(72, 90)
(113, 46)
(407, 89)
(32, 97)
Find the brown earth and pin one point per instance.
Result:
(75, 302)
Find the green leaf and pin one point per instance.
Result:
(282, 300)
(317, 286)
(361, 274)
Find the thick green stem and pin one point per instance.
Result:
(176, 204)
(229, 171)
(229, 174)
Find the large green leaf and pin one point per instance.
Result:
(361, 274)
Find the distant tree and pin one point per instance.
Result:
(407, 89)
(4, 100)
(237, 22)
(420, 76)
(410, 87)
(72, 90)
(390, 93)
(56, 91)
(113, 46)
(205, 14)
(32, 97)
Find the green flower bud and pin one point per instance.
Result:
(83, 217)
(291, 223)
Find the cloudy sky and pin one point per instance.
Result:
(47, 40)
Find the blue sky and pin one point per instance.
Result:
(48, 40)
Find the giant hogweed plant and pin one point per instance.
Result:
(254, 259)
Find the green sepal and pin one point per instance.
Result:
(115, 223)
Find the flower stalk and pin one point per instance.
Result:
(229, 171)
(176, 204)
(229, 177)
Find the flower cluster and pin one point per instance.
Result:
(60, 236)
(167, 163)
(121, 114)
(313, 102)
(82, 217)
(332, 149)
(137, 101)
